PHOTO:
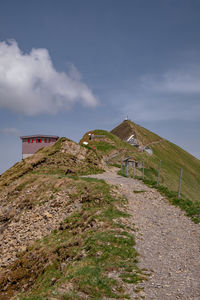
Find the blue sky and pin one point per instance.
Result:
(69, 66)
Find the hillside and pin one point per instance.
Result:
(61, 234)
(107, 145)
(128, 128)
(55, 159)
(173, 158)
(167, 242)
(113, 147)
(65, 236)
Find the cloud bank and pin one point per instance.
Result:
(182, 82)
(173, 95)
(10, 131)
(30, 85)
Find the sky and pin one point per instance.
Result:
(70, 66)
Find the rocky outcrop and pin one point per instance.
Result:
(74, 149)
(19, 230)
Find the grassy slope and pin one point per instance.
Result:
(173, 158)
(127, 128)
(77, 260)
(74, 262)
(52, 160)
(111, 144)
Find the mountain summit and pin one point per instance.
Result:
(127, 130)
(66, 234)
(172, 156)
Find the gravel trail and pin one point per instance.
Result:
(168, 242)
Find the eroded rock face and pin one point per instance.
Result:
(32, 212)
(33, 224)
(72, 148)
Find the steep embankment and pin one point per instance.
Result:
(173, 158)
(168, 242)
(55, 159)
(107, 145)
(68, 237)
(64, 236)
(128, 128)
(35, 194)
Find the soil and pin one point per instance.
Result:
(22, 221)
(168, 242)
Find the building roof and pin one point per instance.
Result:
(39, 136)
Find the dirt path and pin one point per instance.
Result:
(168, 242)
(156, 142)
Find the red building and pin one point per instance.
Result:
(32, 143)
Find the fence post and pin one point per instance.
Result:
(179, 187)
(143, 169)
(159, 167)
(133, 169)
(121, 166)
(126, 168)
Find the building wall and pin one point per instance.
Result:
(30, 146)
(26, 155)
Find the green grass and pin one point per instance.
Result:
(192, 208)
(53, 161)
(127, 128)
(90, 179)
(172, 156)
(107, 251)
(92, 242)
(114, 213)
(104, 147)
(115, 165)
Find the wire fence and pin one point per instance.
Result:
(156, 178)
(128, 169)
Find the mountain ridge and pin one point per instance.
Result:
(172, 156)
(64, 234)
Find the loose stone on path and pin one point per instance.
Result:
(168, 242)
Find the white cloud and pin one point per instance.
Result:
(29, 83)
(156, 109)
(185, 81)
(173, 95)
(10, 131)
